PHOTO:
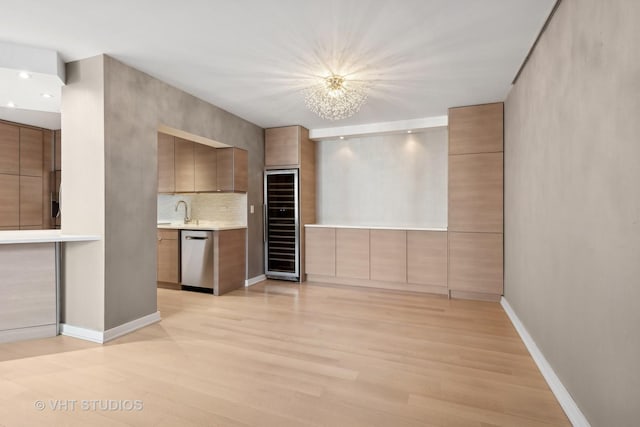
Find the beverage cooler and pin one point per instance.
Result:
(282, 224)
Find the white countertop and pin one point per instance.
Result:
(366, 227)
(201, 225)
(43, 236)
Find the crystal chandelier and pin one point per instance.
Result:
(335, 97)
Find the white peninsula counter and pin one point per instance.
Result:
(30, 282)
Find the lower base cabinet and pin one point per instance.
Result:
(229, 259)
(168, 256)
(475, 265)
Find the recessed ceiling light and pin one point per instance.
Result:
(409, 131)
(24, 75)
(46, 95)
(342, 137)
(10, 104)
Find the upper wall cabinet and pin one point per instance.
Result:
(188, 167)
(9, 149)
(232, 173)
(476, 129)
(30, 152)
(282, 146)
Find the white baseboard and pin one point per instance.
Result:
(569, 406)
(30, 333)
(81, 333)
(110, 334)
(254, 280)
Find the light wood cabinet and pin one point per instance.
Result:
(9, 149)
(476, 262)
(184, 165)
(476, 129)
(189, 167)
(166, 164)
(205, 168)
(388, 255)
(352, 253)
(168, 256)
(30, 152)
(30, 201)
(476, 192)
(229, 268)
(320, 251)
(232, 169)
(9, 201)
(282, 147)
(427, 257)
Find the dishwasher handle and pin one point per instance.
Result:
(196, 238)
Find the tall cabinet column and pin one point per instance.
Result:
(476, 201)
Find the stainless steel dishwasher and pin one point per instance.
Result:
(197, 258)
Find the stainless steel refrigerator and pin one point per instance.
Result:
(282, 224)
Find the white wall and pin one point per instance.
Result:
(390, 180)
(221, 208)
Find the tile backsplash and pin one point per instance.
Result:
(219, 208)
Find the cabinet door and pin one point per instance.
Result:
(9, 201)
(240, 170)
(225, 169)
(184, 161)
(281, 146)
(352, 253)
(9, 149)
(168, 258)
(166, 164)
(30, 201)
(320, 245)
(476, 129)
(475, 262)
(30, 152)
(476, 192)
(389, 255)
(205, 168)
(427, 257)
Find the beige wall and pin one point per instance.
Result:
(390, 180)
(572, 204)
(83, 201)
(135, 105)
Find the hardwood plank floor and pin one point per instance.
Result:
(281, 354)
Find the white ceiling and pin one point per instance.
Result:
(253, 57)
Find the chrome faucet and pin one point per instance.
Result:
(186, 211)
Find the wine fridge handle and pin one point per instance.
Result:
(264, 222)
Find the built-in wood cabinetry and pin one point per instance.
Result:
(476, 201)
(232, 169)
(411, 260)
(168, 256)
(388, 255)
(321, 251)
(427, 253)
(205, 168)
(282, 147)
(25, 176)
(476, 192)
(9, 201)
(187, 167)
(9, 149)
(290, 148)
(229, 268)
(184, 166)
(352, 253)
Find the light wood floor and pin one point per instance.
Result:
(280, 354)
